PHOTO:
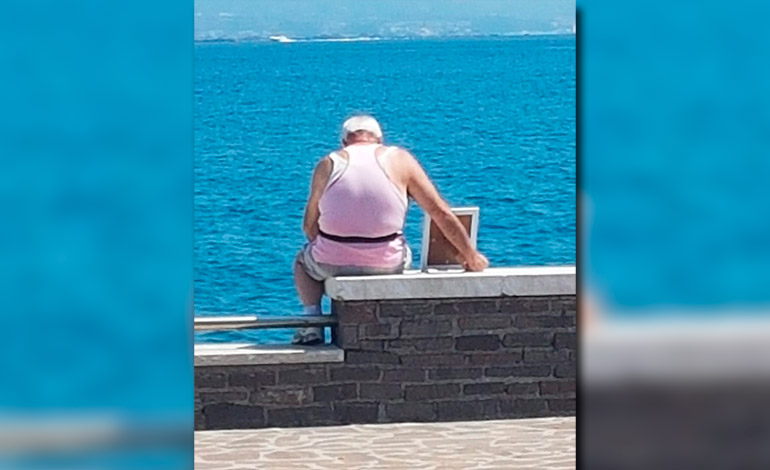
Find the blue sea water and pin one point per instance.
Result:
(492, 120)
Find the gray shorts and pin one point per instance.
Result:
(322, 271)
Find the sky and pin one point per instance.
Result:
(307, 18)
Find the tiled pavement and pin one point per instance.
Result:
(521, 444)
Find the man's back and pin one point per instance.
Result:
(407, 174)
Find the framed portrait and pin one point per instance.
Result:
(438, 253)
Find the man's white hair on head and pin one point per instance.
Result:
(361, 123)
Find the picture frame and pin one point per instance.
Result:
(437, 252)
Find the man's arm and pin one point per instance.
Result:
(420, 187)
(320, 177)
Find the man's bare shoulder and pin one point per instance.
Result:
(324, 166)
(399, 150)
(402, 156)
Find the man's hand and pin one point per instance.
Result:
(476, 262)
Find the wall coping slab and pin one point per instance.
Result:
(670, 350)
(239, 354)
(493, 282)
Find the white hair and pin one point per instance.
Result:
(361, 122)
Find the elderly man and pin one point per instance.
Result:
(355, 216)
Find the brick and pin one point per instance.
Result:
(558, 387)
(523, 407)
(518, 371)
(543, 321)
(302, 376)
(453, 373)
(522, 389)
(545, 355)
(230, 396)
(564, 305)
(301, 416)
(230, 416)
(499, 358)
(483, 388)
(357, 412)
(518, 305)
(282, 395)
(405, 309)
(562, 405)
(477, 409)
(402, 375)
(484, 322)
(410, 411)
(431, 392)
(345, 336)
(528, 339)
(354, 313)
(428, 360)
(379, 331)
(446, 307)
(565, 341)
(336, 392)
(371, 345)
(422, 344)
(478, 343)
(349, 373)
(370, 357)
(425, 328)
(467, 307)
(210, 380)
(252, 379)
(476, 306)
(380, 391)
(565, 371)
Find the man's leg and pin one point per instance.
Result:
(310, 292)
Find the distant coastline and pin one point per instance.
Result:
(323, 38)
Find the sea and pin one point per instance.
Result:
(492, 120)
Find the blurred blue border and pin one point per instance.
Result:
(674, 168)
(95, 217)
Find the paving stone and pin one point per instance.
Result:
(542, 443)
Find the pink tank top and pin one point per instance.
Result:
(360, 200)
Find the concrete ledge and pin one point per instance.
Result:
(239, 354)
(676, 350)
(494, 282)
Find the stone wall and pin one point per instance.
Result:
(411, 359)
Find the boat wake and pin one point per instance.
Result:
(282, 38)
(285, 39)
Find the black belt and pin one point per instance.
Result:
(386, 238)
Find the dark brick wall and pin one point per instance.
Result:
(411, 360)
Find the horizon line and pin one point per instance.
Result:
(321, 38)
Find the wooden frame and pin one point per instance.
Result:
(435, 240)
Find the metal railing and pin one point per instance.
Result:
(254, 322)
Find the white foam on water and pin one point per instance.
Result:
(361, 39)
